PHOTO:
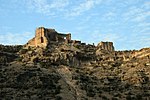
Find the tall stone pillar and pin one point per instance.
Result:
(106, 46)
(68, 37)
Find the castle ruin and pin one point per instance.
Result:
(106, 46)
(43, 36)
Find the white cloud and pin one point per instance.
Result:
(146, 5)
(137, 13)
(47, 7)
(145, 30)
(109, 16)
(139, 41)
(144, 24)
(5, 28)
(97, 36)
(85, 6)
(132, 13)
(142, 16)
(139, 16)
(15, 38)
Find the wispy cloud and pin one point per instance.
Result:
(5, 28)
(15, 38)
(55, 7)
(107, 37)
(109, 15)
(123, 22)
(138, 41)
(139, 18)
(47, 7)
(146, 5)
(137, 14)
(96, 36)
(85, 6)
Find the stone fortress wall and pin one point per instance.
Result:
(106, 46)
(44, 36)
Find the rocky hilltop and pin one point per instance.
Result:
(52, 66)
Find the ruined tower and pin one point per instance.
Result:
(43, 36)
(40, 37)
(106, 46)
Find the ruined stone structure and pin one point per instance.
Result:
(106, 46)
(43, 36)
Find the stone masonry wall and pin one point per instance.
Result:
(106, 46)
(43, 36)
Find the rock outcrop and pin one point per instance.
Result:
(66, 71)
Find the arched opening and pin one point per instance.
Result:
(42, 40)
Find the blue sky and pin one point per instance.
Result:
(124, 22)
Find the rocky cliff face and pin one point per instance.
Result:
(75, 72)
(8, 53)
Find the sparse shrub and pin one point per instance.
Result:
(114, 98)
(138, 97)
(19, 59)
(58, 98)
(23, 51)
(104, 98)
(90, 92)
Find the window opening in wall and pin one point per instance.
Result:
(42, 40)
